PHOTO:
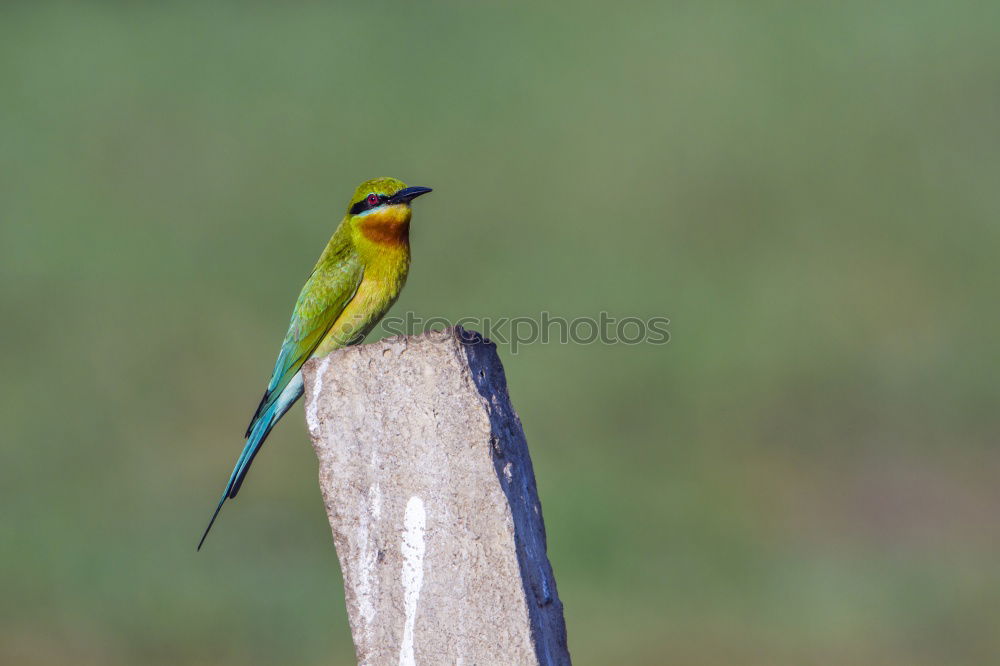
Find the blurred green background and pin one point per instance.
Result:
(806, 474)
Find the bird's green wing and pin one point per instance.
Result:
(323, 298)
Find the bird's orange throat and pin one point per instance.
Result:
(388, 226)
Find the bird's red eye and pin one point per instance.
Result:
(372, 199)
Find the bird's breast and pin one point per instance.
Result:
(378, 290)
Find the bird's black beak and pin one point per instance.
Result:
(408, 194)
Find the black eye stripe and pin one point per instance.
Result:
(362, 206)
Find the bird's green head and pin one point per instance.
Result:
(380, 209)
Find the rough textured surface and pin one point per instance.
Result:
(431, 497)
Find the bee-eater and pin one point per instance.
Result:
(356, 280)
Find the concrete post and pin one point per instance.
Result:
(431, 498)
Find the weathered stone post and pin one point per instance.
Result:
(431, 497)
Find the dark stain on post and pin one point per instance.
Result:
(514, 471)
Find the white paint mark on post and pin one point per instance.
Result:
(376, 498)
(413, 547)
(311, 415)
(364, 585)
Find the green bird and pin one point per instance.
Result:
(356, 280)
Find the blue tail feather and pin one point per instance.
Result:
(254, 442)
(258, 433)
